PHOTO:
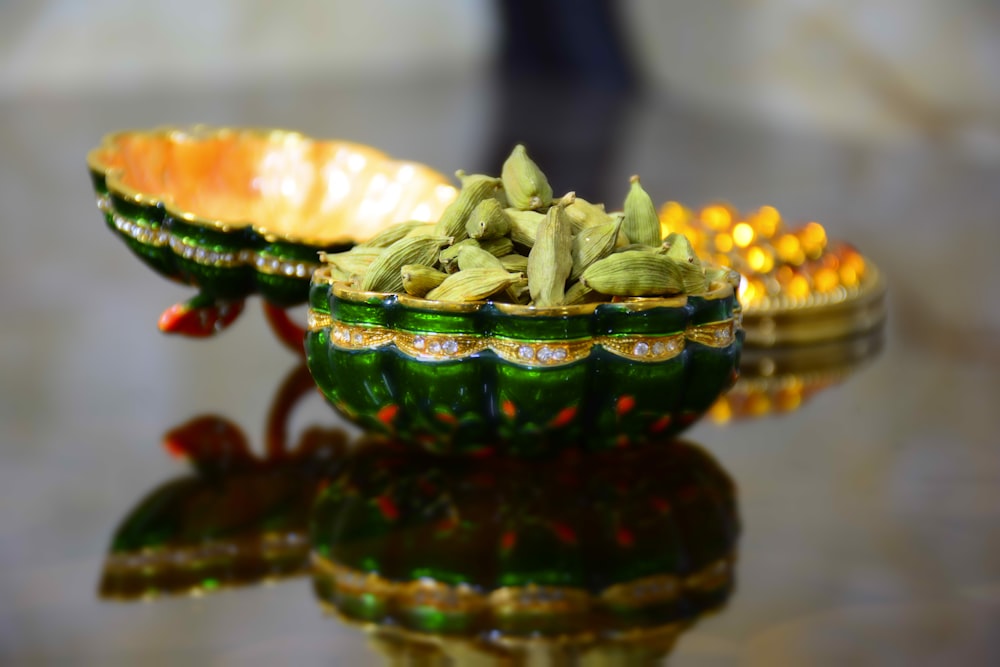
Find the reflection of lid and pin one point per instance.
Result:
(237, 520)
(780, 379)
(608, 548)
(798, 287)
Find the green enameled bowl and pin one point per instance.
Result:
(239, 211)
(461, 378)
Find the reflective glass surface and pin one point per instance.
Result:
(156, 491)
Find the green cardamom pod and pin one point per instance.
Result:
(579, 293)
(642, 224)
(678, 248)
(716, 276)
(524, 225)
(418, 279)
(592, 244)
(497, 247)
(472, 285)
(449, 256)
(551, 258)
(515, 263)
(523, 182)
(634, 273)
(384, 274)
(637, 247)
(391, 234)
(488, 221)
(475, 188)
(584, 214)
(471, 257)
(349, 262)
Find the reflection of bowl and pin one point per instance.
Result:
(459, 377)
(609, 547)
(237, 211)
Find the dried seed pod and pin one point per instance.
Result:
(349, 263)
(426, 228)
(592, 244)
(584, 214)
(447, 258)
(524, 225)
(418, 279)
(515, 263)
(634, 273)
(488, 221)
(642, 224)
(471, 257)
(637, 247)
(678, 248)
(578, 293)
(475, 188)
(551, 258)
(497, 247)
(391, 234)
(524, 183)
(473, 285)
(384, 274)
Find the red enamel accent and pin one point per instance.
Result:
(287, 331)
(625, 404)
(509, 409)
(660, 424)
(175, 448)
(564, 533)
(624, 537)
(660, 504)
(508, 540)
(446, 417)
(387, 414)
(688, 418)
(565, 416)
(447, 524)
(199, 317)
(387, 507)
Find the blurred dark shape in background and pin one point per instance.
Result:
(565, 77)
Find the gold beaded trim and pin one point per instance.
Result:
(531, 598)
(157, 237)
(438, 347)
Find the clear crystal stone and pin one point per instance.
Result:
(201, 254)
(545, 355)
(288, 269)
(672, 345)
(722, 335)
(358, 339)
(260, 262)
(188, 252)
(640, 349)
(559, 354)
(450, 346)
(419, 342)
(275, 265)
(435, 347)
(659, 348)
(301, 270)
(525, 352)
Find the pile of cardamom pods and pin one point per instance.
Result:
(507, 239)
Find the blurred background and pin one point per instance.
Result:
(870, 514)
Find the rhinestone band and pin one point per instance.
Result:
(157, 237)
(444, 347)
(648, 591)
